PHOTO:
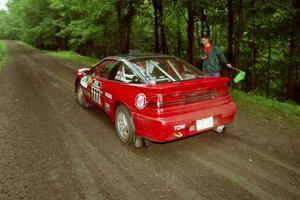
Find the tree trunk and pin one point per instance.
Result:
(297, 95)
(230, 34)
(164, 45)
(298, 87)
(156, 31)
(216, 30)
(163, 39)
(204, 24)
(293, 52)
(190, 31)
(213, 38)
(269, 67)
(124, 24)
(198, 34)
(159, 19)
(252, 46)
(178, 35)
(119, 13)
(239, 33)
(202, 27)
(207, 28)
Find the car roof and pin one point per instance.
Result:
(130, 57)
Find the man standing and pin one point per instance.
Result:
(211, 55)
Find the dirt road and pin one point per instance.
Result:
(51, 148)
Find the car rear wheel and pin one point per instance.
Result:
(81, 97)
(124, 125)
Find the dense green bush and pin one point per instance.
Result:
(264, 42)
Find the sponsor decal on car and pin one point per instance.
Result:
(84, 81)
(140, 101)
(90, 79)
(107, 107)
(96, 92)
(108, 95)
(179, 127)
(119, 75)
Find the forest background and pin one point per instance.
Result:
(261, 37)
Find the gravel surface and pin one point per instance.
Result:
(51, 148)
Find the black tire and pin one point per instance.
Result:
(124, 125)
(81, 97)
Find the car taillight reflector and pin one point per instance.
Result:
(181, 98)
(222, 91)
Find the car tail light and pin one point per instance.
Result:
(182, 98)
(222, 91)
(155, 102)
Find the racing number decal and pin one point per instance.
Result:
(96, 92)
(96, 95)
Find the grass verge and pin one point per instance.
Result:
(70, 55)
(267, 109)
(27, 45)
(3, 55)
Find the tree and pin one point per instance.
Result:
(159, 27)
(294, 54)
(190, 31)
(239, 33)
(230, 31)
(261, 35)
(252, 46)
(126, 12)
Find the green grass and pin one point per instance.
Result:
(3, 55)
(267, 109)
(26, 45)
(70, 55)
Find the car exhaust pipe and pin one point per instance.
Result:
(220, 129)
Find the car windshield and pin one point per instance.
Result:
(165, 69)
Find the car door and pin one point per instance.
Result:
(100, 74)
(120, 86)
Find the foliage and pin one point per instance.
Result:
(27, 45)
(3, 56)
(267, 109)
(70, 55)
(99, 28)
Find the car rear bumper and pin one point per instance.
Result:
(183, 125)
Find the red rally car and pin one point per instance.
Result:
(155, 97)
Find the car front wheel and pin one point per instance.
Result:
(81, 97)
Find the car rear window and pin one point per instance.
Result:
(166, 69)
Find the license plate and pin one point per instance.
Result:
(204, 123)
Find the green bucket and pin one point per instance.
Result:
(239, 77)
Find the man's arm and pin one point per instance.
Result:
(222, 57)
(202, 54)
